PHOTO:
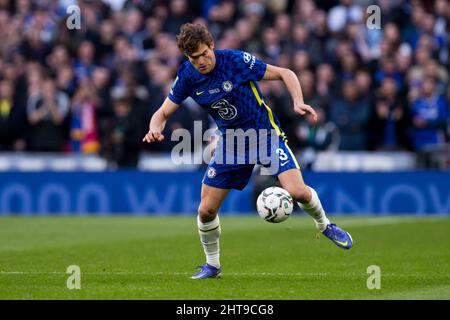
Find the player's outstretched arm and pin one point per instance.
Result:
(293, 85)
(158, 121)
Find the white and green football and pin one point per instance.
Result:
(274, 204)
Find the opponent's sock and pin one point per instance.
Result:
(315, 210)
(209, 236)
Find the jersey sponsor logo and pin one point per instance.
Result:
(199, 92)
(226, 110)
(227, 86)
(211, 173)
(247, 57)
(253, 63)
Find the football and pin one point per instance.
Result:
(274, 204)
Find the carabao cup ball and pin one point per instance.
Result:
(274, 204)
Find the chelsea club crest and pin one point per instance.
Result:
(211, 173)
(227, 86)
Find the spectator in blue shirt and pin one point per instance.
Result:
(351, 115)
(429, 115)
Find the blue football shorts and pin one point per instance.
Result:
(225, 174)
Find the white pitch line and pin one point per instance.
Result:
(268, 274)
(377, 222)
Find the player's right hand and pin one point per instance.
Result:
(153, 135)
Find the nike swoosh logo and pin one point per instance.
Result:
(284, 163)
(342, 243)
(199, 92)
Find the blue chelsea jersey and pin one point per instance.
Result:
(229, 92)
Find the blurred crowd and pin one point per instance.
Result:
(94, 89)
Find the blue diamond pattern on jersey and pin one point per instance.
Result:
(241, 70)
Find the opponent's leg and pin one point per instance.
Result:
(209, 229)
(307, 198)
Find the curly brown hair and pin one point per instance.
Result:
(191, 36)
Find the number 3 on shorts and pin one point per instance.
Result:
(282, 154)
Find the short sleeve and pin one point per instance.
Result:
(247, 67)
(178, 93)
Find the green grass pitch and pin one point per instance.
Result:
(153, 257)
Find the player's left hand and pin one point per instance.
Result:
(302, 109)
